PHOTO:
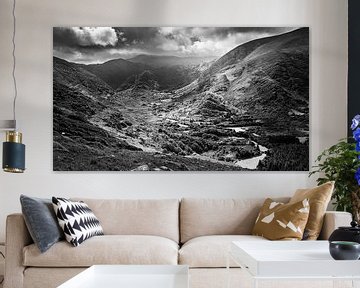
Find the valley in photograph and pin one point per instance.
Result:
(181, 99)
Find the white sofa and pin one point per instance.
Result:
(194, 232)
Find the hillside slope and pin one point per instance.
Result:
(267, 78)
(115, 72)
(262, 85)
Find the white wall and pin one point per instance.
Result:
(327, 20)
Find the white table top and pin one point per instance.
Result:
(131, 276)
(291, 259)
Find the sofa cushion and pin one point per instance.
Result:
(41, 221)
(211, 251)
(319, 198)
(279, 221)
(35, 277)
(76, 220)
(200, 217)
(158, 217)
(107, 249)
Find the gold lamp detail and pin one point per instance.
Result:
(13, 149)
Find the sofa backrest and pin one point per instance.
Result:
(200, 217)
(159, 217)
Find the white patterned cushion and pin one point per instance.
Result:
(77, 220)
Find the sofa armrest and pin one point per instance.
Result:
(333, 220)
(17, 237)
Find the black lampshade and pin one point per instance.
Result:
(13, 153)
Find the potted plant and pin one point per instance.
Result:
(341, 163)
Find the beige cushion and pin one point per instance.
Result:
(279, 221)
(200, 217)
(219, 277)
(108, 249)
(211, 251)
(319, 198)
(137, 217)
(240, 278)
(48, 277)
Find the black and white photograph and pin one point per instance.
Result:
(180, 98)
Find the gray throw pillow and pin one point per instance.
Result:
(41, 221)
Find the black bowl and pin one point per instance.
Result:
(344, 250)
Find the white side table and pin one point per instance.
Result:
(294, 262)
(131, 276)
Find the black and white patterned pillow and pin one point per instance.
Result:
(77, 220)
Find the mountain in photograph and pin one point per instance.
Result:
(167, 61)
(115, 72)
(246, 109)
(170, 71)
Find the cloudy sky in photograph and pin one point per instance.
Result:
(100, 44)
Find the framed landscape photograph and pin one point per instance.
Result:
(181, 99)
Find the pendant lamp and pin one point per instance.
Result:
(13, 149)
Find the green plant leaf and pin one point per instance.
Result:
(339, 163)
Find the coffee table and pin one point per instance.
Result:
(131, 276)
(292, 260)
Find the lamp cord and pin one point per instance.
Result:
(14, 60)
